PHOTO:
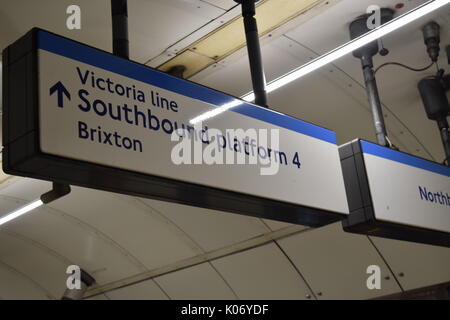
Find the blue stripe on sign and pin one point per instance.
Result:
(397, 156)
(77, 51)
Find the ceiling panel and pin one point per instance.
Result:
(146, 290)
(330, 28)
(19, 16)
(262, 273)
(397, 86)
(148, 237)
(224, 4)
(331, 95)
(277, 225)
(151, 23)
(197, 282)
(210, 229)
(43, 267)
(25, 188)
(334, 263)
(74, 242)
(157, 24)
(415, 265)
(232, 75)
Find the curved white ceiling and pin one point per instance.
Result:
(146, 249)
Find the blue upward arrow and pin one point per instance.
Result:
(61, 91)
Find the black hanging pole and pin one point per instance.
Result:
(254, 51)
(119, 12)
(357, 28)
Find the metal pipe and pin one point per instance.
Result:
(86, 280)
(445, 136)
(254, 51)
(375, 103)
(119, 13)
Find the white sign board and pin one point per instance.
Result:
(103, 110)
(395, 195)
(406, 189)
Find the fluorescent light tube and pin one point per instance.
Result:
(215, 112)
(353, 45)
(335, 54)
(21, 211)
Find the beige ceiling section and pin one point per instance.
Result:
(155, 24)
(191, 60)
(335, 262)
(225, 40)
(130, 226)
(79, 243)
(331, 95)
(16, 286)
(224, 4)
(3, 176)
(39, 265)
(415, 265)
(19, 16)
(262, 273)
(197, 282)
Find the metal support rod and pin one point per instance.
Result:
(445, 136)
(374, 101)
(254, 51)
(119, 12)
(59, 190)
(86, 280)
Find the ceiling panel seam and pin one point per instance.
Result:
(185, 235)
(188, 35)
(214, 5)
(386, 263)
(265, 224)
(296, 269)
(89, 228)
(224, 280)
(28, 278)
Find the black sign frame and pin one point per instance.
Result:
(22, 155)
(361, 219)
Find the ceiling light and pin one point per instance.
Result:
(353, 45)
(335, 54)
(230, 36)
(216, 111)
(21, 211)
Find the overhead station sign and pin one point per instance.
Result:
(81, 116)
(396, 195)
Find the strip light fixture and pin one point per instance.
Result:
(21, 211)
(58, 190)
(335, 54)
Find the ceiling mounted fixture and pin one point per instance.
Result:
(230, 37)
(333, 55)
(353, 45)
